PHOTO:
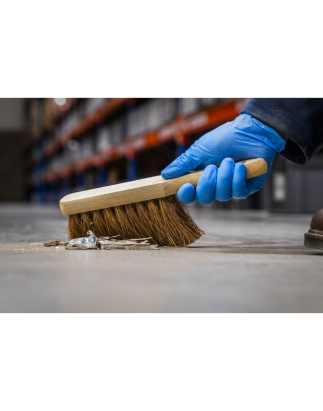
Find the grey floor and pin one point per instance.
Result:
(248, 261)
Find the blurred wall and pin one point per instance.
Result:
(11, 114)
(11, 149)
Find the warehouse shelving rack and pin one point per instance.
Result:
(46, 183)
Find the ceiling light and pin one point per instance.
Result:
(60, 101)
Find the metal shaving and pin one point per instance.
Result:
(132, 244)
(83, 243)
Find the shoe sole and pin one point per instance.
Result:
(314, 239)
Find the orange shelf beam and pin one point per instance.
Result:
(83, 125)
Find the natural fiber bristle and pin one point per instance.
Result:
(166, 220)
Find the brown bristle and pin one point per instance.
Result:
(145, 219)
(111, 224)
(74, 227)
(127, 229)
(156, 217)
(166, 220)
(86, 220)
(136, 220)
(98, 226)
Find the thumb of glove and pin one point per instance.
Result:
(182, 165)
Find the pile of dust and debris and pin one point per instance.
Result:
(104, 243)
(22, 247)
(85, 243)
(110, 243)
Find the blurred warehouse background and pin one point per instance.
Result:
(51, 147)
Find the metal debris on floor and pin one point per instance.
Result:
(134, 244)
(83, 243)
(110, 243)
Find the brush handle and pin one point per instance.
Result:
(140, 190)
(255, 167)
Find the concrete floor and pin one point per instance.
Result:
(248, 261)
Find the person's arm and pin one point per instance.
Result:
(292, 127)
(299, 121)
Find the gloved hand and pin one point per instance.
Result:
(241, 139)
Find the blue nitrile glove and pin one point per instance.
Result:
(241, 139)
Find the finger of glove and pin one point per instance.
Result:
(239, 182)
(186, 194)
(224, 180)
(205, 190)
(254, 184)
(186, 162)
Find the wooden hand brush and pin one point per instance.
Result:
(139, 209)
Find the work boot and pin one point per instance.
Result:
(314, 237)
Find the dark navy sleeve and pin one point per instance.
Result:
(299, 121)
